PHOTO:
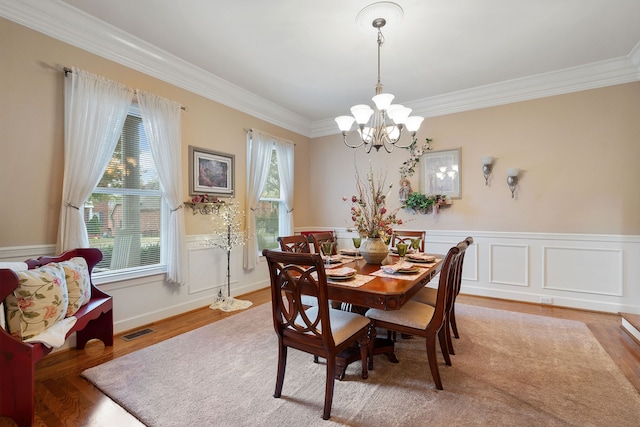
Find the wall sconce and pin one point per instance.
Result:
(487, 165)
(512, 179)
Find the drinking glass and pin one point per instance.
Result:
(356, 243)
(327, 250)
(402, 250)
(415, 244)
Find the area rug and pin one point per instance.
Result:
(509, 369)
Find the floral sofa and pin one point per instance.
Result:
(44, 301)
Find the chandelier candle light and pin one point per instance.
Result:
(383, 126)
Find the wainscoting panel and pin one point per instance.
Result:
(208, 269)
(206, 266)
(586, 271)
(510, 264)
(590, 270)
(470, 266)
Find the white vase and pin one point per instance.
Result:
(374, 250)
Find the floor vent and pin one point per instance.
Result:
(137, 334)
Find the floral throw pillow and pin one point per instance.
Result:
(39, 301)
(76, 274)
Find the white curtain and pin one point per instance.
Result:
(285, 154)
(161, 120)
(95, 111)
(259, 147)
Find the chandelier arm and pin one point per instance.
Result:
(387, 149)
(404, 146)
(368, 148)
(344, 138)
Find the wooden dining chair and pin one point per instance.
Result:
(428, 295)
(319, 238)
(320, 330)
(296, 243)
(424, 320)
(405, 236)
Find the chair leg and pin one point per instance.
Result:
(282, 364)
(447, 327)
(442, 337)
(372, 340)
(452, 320)
(433, 361)
(363, 343)
(328, 394)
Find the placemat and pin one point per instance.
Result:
(357, 281)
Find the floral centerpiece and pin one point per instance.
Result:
(370, 216)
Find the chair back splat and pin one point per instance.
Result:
(296, 243)
(318, 330)
(319, 238)
(406, 236)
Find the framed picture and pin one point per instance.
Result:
(442, 172)
(211, 172)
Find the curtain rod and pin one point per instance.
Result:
(268, 134)
(69, 70)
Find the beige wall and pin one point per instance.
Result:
(31, 129)
(578, 153)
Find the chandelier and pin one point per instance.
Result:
(381, 126)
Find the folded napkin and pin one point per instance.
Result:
(333, 259)
(421, 257)
(350, 252)
(394, 268)
(340, 271)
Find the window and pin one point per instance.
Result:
(271, 209)
(126, 215)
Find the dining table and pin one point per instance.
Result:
(382, 291)
(372, 287)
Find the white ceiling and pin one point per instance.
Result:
(303, 62)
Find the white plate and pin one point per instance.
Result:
(347, 277)
(409, 270)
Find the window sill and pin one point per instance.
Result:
(128, 274)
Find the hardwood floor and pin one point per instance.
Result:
(63, 398)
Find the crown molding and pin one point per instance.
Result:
(592, 76)
(70, 25)
(61, 21)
